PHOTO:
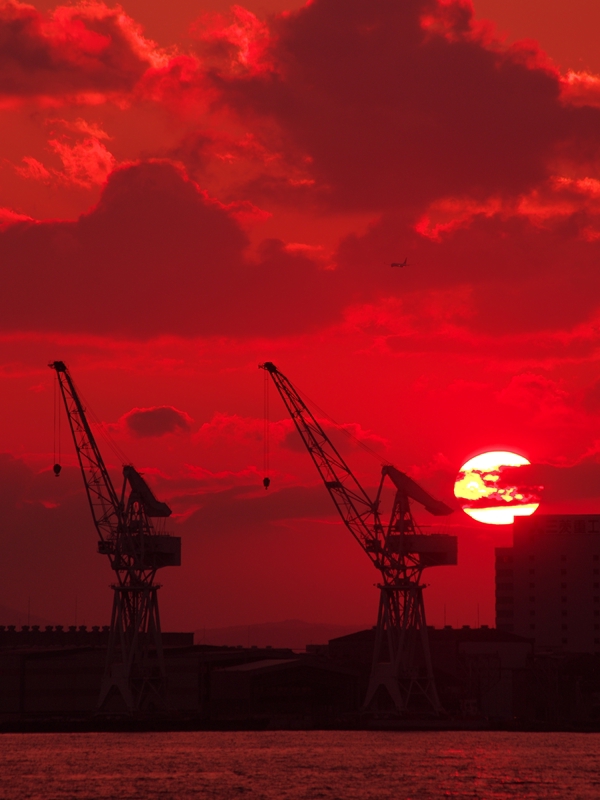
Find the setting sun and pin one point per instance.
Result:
(486, 497)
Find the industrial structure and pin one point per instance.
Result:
(401, 669)
(50, 682)
(135, 676)
(548, 582)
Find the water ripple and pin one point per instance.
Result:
(300, 765)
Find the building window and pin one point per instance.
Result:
(532, 627)
(563, 572)
(563, 586)
(563, 613)
(532, 599)
(563, 599)
(532, 585)
(532, 613)
(504, 587)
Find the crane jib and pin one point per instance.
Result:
(126, 533)
(359, 512)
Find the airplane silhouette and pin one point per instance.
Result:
(403, 264)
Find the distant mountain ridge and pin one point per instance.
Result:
(292, 633)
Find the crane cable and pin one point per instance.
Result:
(101, 429)
(266, 454)
(98, 424)
(343, 429)
(57, 438)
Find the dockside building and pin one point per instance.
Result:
(548, 582)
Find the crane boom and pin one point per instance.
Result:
(360, 513)
(104, 502)
(355, 507)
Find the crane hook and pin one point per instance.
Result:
(266, 482)
(57, 468)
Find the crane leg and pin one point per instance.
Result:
(401, 658)
(135, 675)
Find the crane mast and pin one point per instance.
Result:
(401, 670)
(135, 675)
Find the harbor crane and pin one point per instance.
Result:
(135, 675)
(401, 666)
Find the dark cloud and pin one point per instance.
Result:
(85, 48)
(345, 438)
(578, 481)
(390, 106)
(156, 421)
(224, 510)
(501, 491)
(156, 256)
(518, 275)
(397, 103)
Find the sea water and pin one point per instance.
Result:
(293, 765)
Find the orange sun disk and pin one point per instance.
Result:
(486, 498)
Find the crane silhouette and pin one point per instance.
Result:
(401, 670)
(135, 677)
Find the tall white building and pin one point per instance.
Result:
(548, 582)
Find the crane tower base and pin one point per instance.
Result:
(402, 679)
(135, 676)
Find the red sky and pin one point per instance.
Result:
(187, 190)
